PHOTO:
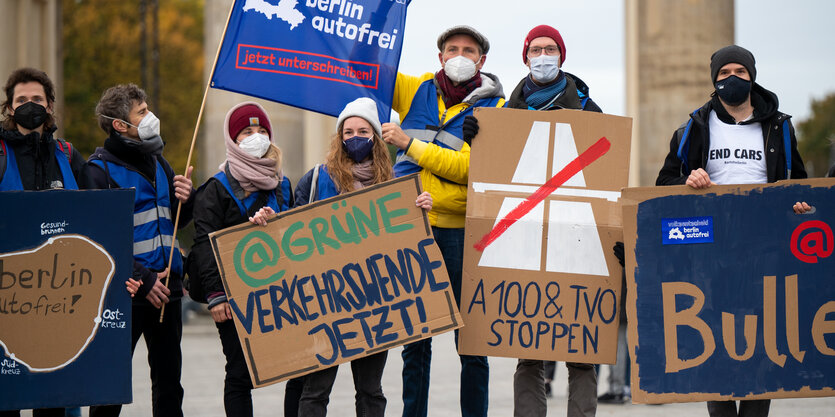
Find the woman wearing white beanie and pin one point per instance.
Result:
(358, 158)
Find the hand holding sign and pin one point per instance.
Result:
(424, 201)
(264, 213)
(132, 286)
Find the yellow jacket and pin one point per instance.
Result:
(444, 172)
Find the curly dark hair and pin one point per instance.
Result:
(26, 75)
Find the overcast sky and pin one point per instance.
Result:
(791, 41)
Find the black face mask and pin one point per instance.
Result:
(30, 115)
(733, 90)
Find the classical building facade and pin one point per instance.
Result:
(32, 33)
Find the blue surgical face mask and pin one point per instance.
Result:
(358, 147)
(733, 90)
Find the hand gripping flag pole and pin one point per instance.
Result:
(191, 151)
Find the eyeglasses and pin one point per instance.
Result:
(549, 50)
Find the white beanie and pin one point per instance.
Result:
(362, 107)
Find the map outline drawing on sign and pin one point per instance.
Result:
(284, 10)
(95, 321)
(572, 228)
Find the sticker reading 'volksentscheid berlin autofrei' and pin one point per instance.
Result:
(682, 230)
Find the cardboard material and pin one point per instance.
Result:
(730, 292)
(540, 278)
(334, 281)
(64, 313)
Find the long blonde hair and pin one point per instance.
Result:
(274, 152)
(340, 165)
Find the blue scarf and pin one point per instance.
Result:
(542, 97)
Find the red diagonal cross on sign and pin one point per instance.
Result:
(585, 159)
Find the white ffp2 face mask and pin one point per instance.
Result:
(256, 144)
(148, 126)
(545, 68)
(459, 68)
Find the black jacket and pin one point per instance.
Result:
(778, 134)
(94, 177)
(575, 91)
(215, 209)
(35, 157)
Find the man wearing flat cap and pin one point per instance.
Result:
(431, 141)
(738, 137)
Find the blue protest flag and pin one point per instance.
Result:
(314, 54)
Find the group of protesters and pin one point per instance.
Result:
(433, 138)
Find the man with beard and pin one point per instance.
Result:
(548, 87)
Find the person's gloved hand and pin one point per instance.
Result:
(470, 128)
(618, 249)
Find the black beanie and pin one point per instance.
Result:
(732, 54)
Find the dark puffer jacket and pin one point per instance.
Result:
(215, 209)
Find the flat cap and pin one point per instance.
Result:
(464, 30)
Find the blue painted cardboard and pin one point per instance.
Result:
(765, 262)
(98, 223)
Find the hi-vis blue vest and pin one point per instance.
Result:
(11, 178)
(325, 187)
(422, 122)
(247, 202)
(152, 224)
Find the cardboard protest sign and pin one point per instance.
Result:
(540, 278)
(334, 281)
(64, 311)
(730, 292)
(297, 51)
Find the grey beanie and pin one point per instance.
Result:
(362, 107)
(480, 39)
(732, 54)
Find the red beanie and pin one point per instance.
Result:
(548, 32)
(248, 115)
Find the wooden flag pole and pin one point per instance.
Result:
(191, 151)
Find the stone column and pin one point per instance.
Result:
(31, 30)
(668, 49)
